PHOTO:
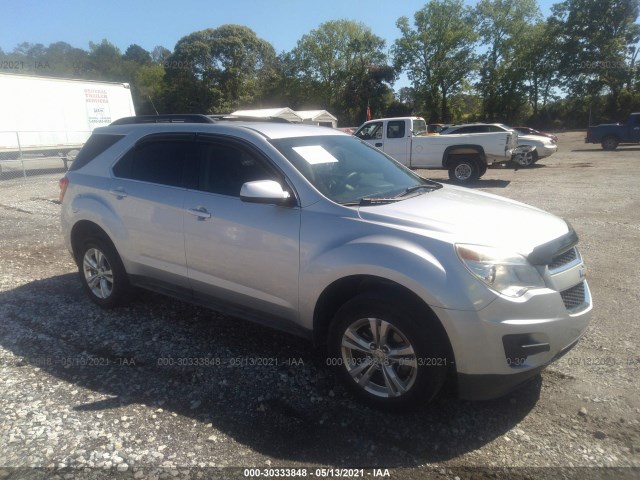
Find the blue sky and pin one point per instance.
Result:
(164, 22)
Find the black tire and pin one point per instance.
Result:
(482, 169)
(387, 381)
(464, 170)
(609, 143)
(102, 273)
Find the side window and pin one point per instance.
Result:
(395, 129)
(494, 128)
(158, 160)
(371, 131)
(224, 168)
(476, 129)
(97, 144)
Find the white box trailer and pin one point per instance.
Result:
(54, 116)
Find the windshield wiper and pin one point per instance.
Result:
(364, 201)
(428, 186)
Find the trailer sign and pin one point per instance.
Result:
(98, 112)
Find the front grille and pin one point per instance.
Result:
(573, 297)
(563, 259)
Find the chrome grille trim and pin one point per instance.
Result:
(574, 298)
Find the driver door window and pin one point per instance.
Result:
(373, 131)
(224, 168)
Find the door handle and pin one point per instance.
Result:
(118, 192)
(379, 144)
(199, 212)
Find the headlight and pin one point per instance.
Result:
(505, 272)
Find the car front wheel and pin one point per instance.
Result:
(526, 159)
(387, 355)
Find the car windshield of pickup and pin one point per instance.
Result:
(347, 170)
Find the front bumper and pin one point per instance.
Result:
(546, 151)
(511, 340)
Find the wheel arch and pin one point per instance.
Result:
(346, 288)
(84, 229)
(454, 152)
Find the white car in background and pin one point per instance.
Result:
(544, 147)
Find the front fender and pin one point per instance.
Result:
(398, 260)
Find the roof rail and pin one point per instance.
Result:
(247, 118)
(170, 118)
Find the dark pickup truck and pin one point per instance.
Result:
(613, 134)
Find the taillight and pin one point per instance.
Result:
(63, 183)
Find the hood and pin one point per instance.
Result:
(461, 215)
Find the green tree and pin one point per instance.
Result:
(135, 53)
(148, 90)
(437, 53)
(598, 46)
(107, 63)
(219, 70)
(503, 67)
(159, 54)
(345, 63)
(538, 63)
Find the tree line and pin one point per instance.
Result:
(500, 60)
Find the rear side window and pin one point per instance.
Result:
(97, 143)
(158, 160)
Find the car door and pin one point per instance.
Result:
(634, 128)
(147, 193)
(246, 254)
(396, 141)
(372, 134)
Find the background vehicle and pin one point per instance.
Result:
(544, 146)
(614, 134)
(465, 156)
(55, 116)
(406, 281)
(534, 132)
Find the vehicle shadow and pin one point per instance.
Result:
(292, 412)
(617, 150)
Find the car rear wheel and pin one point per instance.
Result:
(385, 354)
(102, 274)
(465, 170)
(609, 143)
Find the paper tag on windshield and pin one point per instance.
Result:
(315, 154)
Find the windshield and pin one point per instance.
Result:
(346, 170)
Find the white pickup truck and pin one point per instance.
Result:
(466, 156)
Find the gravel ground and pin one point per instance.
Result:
(163, 389)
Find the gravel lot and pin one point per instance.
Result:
(162, 389)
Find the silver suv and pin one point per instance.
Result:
(406, 281)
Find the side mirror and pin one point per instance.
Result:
(265, 191)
